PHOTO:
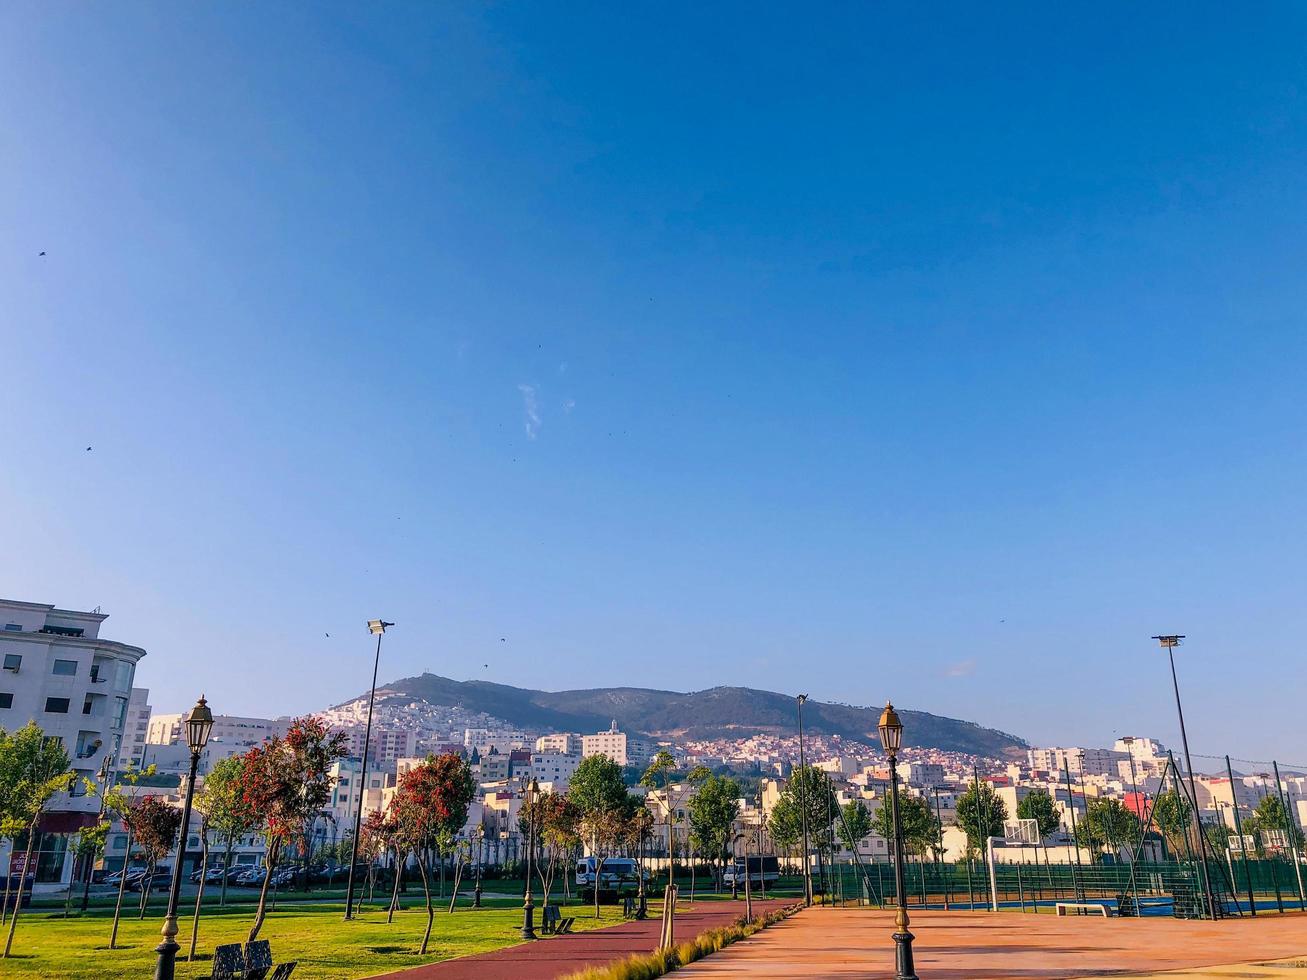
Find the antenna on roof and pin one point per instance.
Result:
(96, 611)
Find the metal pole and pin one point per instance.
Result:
(1075, 835)
(528, 906)
(363, 776)
(939, 854)
(166, 965)
(90, 860)
(1170, 642)
(904, 969)
(1291, 829)
(1238, 829)
(803, 809)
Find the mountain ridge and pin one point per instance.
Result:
(716, 712)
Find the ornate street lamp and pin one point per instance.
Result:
(377, 627)
(891, 736)
(528, 907)
(199, 723)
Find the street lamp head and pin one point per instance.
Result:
(891, 730)
(198, 725)
(1168, 642)
(378, 626)
(802, 698)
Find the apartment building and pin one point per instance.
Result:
(232, 729)
(562, 743)
(625, 750)
(77, 687)
(131, 751)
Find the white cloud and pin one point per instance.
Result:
(530, 410)
(963, 668)
(568, 406)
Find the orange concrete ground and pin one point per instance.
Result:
(986, 946)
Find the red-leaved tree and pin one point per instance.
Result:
(285, 782)
(155, 824)
(431, 802)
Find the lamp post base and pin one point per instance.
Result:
(165, 967)
(528, 920)
(903, 966)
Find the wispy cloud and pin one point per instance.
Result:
(530, 410)
(568, 406)
(963, 668)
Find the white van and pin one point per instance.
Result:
(617, 875)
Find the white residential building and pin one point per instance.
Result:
(625, 750)
(232, 729)
(554, 767)
(566, 743)
(132, 748)
(77, 688)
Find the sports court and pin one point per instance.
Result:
(836, 942)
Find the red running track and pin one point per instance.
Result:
(546, 959)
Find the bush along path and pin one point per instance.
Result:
(561, 956)
(648, 966)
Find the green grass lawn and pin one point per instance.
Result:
(324, 944)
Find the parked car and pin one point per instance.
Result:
(617, 875)
(251, 878)
(210, 875)
(762, 868)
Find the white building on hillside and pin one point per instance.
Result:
(135, 729)
(625, 750)
(77, 688)
(232, 729)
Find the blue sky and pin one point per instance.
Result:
(944, 354)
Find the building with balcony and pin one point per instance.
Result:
(59, 673)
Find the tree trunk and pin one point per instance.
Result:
(458, 877)
(146, 884)
(226, 869)
(9, 873)
(599, 867)
(27, 860)
(431, 911)
(394, 895)
(269, 862)
(122, 887)
(199, 895)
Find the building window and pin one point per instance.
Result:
(61, 630)
(64, 668)
(6, 700)
(120, 842)
(13, 627)
(56, 706)
(13, 661)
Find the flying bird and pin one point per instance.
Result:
(327, 635)
(42, 253)
(88, 449)
(503, 639)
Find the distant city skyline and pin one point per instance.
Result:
(862, 352)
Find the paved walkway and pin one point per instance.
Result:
(549, 958)
(986, 946)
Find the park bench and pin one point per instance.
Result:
(554, 922)
(1093, 908)
(230, 962)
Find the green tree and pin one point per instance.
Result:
(1173, 818)
(33, 770)
(1038, 805)
(920, 829)
(783, 824)
(663, 767)
(855, 824)
(599, 792)
(1270, 814)
(1109, 824)
(285, 781)
(981, 814)
(118, 800)
(811, 790)
(222, 802)
(712, 811)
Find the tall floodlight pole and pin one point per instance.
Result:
(1169, 643)
(377, 627)
(891, 736)
(803, 808)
